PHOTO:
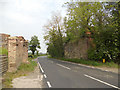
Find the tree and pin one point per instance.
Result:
(54, 36)
(82, 17)
(102, 20)
(34, 44)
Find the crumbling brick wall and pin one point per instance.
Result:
(4, 40)
(17, 52)
(77, 49)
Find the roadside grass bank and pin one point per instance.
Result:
(90, 62)
(23, 70)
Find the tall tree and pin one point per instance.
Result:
(81, 17)
(54, 36)
(99, 19)
(34, 44)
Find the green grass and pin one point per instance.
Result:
(90, 62)
(3, 51)
(23, 70)
(27, 67)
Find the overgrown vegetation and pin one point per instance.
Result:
(54, 36)
(92, 63)
(3, 51)
(23, 70)
(97, 20)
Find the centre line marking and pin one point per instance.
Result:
(45, 76)
(40, 67)
(101, 81)
(64, 66)
(49, 85)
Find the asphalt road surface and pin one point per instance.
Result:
(61, 74)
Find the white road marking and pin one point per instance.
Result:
(85, 66)
(40, 67)
(45, 76)
(101, 81)
(64, 66)
(49, 85)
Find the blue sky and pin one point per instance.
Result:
(27, 17)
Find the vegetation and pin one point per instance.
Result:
(34, 44)
(23, 70)
(54, 36)
(90, 62)
(100, 19)
(3, 51)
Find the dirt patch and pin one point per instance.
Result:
(115, 70)
(33, 80)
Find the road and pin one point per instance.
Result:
(61, 74)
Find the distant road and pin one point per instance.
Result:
(60, 74)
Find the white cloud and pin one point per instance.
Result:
(19, 17)
(27, 17)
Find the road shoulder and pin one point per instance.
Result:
(107, 69)
(32, 80)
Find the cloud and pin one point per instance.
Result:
(27, 17)
(19, 17)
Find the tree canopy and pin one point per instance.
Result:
(54, 36)
(34, 44)
(100, 19)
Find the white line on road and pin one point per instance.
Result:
(40, 67)
(64, 66)
(49, 85)
(101, 81)
(45, 76)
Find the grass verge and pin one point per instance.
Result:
(23, 70)
(90, 62)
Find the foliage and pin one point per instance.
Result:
(34, 44)
(107, 39)
(54, 36)
(3, 51)
(91, 62)
(81, 18)
(28, 67)
(102, 20)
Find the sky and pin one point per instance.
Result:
(27, 17)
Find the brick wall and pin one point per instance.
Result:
(77, 49)
(17, 50)
(4, 40)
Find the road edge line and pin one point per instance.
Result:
(40, 67)
(87, 66)
(49, 85)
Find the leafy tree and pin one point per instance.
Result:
(34, 44)
(82, 17)
(102, 20)
(107, 40)
(54, 36)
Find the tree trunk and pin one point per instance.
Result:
(33, 52)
